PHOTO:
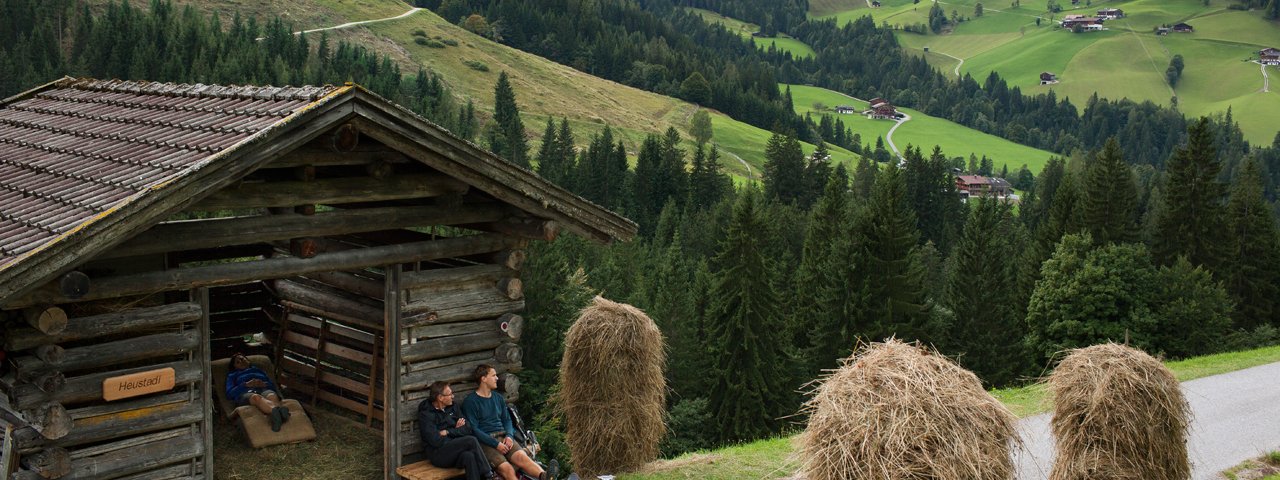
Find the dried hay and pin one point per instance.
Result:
(612, 389)
(901, 411)
(1118, 414)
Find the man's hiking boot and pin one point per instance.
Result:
(552, 471)
(278, 416)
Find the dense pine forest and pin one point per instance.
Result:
(1150, 227)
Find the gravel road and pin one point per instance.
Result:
(1236, 417)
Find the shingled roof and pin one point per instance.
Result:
(84, 157)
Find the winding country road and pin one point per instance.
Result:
(955, 57)
(888, 137)
(1266, 81)
(1236, 416)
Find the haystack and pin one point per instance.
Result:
(612, 389)
(901, 411)
(1118, 414)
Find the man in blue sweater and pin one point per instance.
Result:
(486, 411)
(249, 385)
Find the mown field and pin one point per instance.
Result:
(775, 458)
(303, 14)
(1127, 60)
(923, 131)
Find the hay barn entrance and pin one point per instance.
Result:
(152, 228)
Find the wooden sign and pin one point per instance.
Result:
(136, 384)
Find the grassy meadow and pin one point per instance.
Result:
(304, 14)
(744, 29)
(1126, 60)
(545, 88)
(775, 458)
(923, 131)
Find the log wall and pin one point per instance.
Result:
(62, 427)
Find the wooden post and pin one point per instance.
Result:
(52, 462)
(200, 296)
(512, 325)
(391, 373)
(48, 319)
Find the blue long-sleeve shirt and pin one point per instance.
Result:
(236, 380)
(486, 416)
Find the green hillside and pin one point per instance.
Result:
(923, 131)
(545, 88)
(1127, 60)
(744, 29)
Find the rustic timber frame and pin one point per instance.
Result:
(148, 226)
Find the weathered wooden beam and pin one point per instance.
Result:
(319, 156)
(81, 328)
(47, 319)
(450, 346)
(49, 418)
(48, 382)
(508, 353)
(459, 305)
(509, 384)
(512, 325)
(449, 329)
(219, 253)
(452, 278)
(330, 301)
(112, 353)
(523, 227)
(512, 288)
(136, 460)
(350, 282)
(50, 353)
(345, 383)
(462, 313)
(218, 232)
(331, 191)
(234, 273)
(52, 462)
(142, 420)
(392, 375)
(330, 349)
(88, 387)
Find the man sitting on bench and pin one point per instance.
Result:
(486, 411)
(249, 385)
(448, 438)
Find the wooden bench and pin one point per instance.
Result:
(424, 470)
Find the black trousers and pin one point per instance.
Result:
(464, 453)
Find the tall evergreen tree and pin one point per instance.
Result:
(981, 294)
(931, 193)
(1190, 220)
(747, 400)
(506, 136)
(783, 173)
(647, 189)
(1110, 201)
(894, 275)
(819, 328)
(864, 177)
(707, 184)
(817, 172)
(1253, 259)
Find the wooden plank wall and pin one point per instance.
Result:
(330, 341)
(453, 320)
(160, 435)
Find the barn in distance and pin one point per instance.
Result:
(150, 226)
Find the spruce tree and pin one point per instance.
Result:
(547, 152)
(783, 168)
(895, 299)
(981, 294)
(506, 136)
(864, 177)
(1253, 259)
(931, 193)
(819, 328)
(647, 189)
(744, 318)
(817, 172)
(1110, 200)
(707, 184)
(1190, 220)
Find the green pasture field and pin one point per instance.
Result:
(775, 458)
(924, 131)
(744, 29)
(545, 88)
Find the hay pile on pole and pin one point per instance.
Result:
(612, 389)
(894, 410)
(1118, 414)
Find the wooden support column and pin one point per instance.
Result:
(200, 296)
(391, 373)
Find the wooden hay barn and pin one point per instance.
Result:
(149, 227)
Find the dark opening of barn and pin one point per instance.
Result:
(147, 229)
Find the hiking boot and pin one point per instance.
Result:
(276, 419)
(284, 413)
(552, 471)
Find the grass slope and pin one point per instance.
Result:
(744, 29)
(545, 88)
(304, 14)
(1127, 60)
(923, 131)
(774, 458)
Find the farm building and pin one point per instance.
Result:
(845, 109)
(881, 109)
(1183, 28)
(1071, 21)
(146, 227)
(1110, 13)
(979, 186)
(1269, 56)
(1162, 30)
(1048, 78)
